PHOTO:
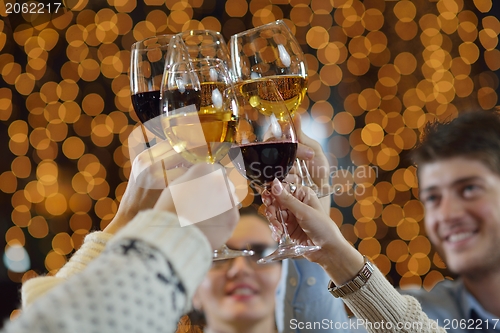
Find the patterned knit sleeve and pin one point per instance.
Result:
(142, 282)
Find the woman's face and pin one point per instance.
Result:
(238, 291)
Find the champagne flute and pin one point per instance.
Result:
(267, 142)
(200, 114)
(271, 51)
(147, 64)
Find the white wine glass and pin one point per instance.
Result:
(271, 51)
(200, 115)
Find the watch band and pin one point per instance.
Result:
(355, 284)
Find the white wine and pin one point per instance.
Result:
(260, 94)
(209, 99)
(201, 137)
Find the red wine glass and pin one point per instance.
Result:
(267, 142)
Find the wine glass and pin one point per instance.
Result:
(199, 116)
(147, 64)
(267, 142)
(205, 44)
(271, 51)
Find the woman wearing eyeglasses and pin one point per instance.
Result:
(238, 295)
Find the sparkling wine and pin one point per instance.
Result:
(198, 123)
(201, 137)
(291, 87)
(264, 161)
(147, 109)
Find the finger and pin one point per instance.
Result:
(274, 223)
(292, 178)
(303, 138)
(305, 152)
(287, 201)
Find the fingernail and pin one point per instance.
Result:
(266, 201)
(277, 187)
(269, 216)
(309, 153)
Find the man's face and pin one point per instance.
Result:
(462, 202)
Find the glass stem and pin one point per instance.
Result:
(285, 237)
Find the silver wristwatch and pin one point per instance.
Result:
(355, 284)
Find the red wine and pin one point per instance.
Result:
(147, 109)
(264, 161)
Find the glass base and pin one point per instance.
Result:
(226, 253)
(288, 251)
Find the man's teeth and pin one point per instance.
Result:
(460, 236)
(243, 291)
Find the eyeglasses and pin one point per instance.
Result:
(260, 251)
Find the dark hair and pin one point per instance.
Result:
(473, 134)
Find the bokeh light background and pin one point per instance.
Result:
(378, 71)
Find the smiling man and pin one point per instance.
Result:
(459, 177)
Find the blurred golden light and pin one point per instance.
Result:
(38, 227)
(467, 31)
(56, 204)
(397, 250)
(93, 104)
(10, 72)
(372, 134)
(317, 37)
(15, 235)
(47, 172)
(406, 30)
(54, 261)
(408, 229)
(419, 264)
(62, 243)
(322, 112)
(483, 5)
(429, 24)
(343, 123)
(487, 97)
(21, 167)
(431, 279)
(369, 246)
(419, 244)
(105, 208)
(405, 11)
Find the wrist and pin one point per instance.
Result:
(343, 265)
(353, 284)
(118, 222)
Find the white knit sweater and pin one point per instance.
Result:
(141, 281)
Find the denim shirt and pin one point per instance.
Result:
(303, 303)
(455, 309)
